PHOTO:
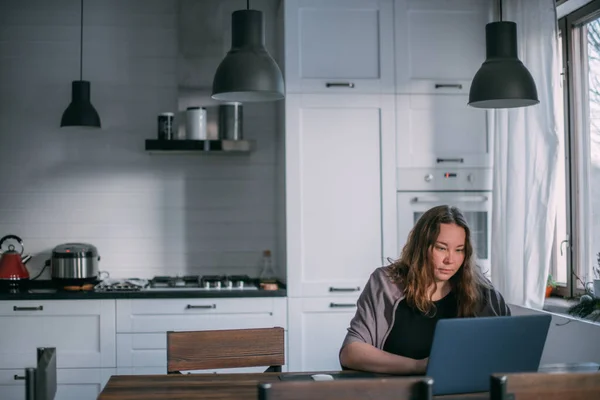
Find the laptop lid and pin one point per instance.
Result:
(466, 351)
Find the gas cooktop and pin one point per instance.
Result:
(202, 282)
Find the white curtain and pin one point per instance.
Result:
(525, 156)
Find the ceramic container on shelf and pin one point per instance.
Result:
(195, 123)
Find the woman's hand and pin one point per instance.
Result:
(421, 365)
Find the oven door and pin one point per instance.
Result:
(476, 207)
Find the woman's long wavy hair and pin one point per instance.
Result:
(414, 269)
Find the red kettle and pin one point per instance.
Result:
(12, 264)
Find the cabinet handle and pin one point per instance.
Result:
(38, 308)
(203, 306)
(443, 160)
(340, 84)
(342, 305)
(19, 378)
(448, 86)
(460, 199)
(341, 289)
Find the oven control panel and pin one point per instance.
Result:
(424, 179)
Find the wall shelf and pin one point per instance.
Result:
(199, 146)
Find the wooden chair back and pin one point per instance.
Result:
(234, 348)
(396, 388)
(535, 386)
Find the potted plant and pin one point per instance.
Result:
(550, 285)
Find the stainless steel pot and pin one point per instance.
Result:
(231, 121)
(74, 261)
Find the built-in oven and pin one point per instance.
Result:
(470, 190)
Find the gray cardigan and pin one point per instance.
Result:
(376, 309)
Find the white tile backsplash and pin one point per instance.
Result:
(148, 214)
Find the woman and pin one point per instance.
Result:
(435, 277)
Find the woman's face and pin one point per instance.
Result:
(448, 252)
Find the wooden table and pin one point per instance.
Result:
(207, 386)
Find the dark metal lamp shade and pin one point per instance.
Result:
(248, 73)
(502, 81)
(80, 111)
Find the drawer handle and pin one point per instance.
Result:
(19, 378)
(202, 306)
(342, 289)
(443, 160)
(340, 84)
(342, 305)
(448, 85)
(38, 308)
(461, 199)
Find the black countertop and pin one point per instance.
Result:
(44, 290)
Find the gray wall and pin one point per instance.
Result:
(147, 214)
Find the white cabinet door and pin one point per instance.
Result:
(72, 384)
(83, 332)
(440, 44)
(318, 327)
(340, 191)
(339, 46)
(441, 131)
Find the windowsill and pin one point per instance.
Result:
(559, 305)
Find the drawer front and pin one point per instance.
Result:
(343, 304)
(83, 332)
(52, 307)
(72, 384)
(149, 316)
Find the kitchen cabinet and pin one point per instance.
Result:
(318, 327)
(99, 338)
(439, 45)
(340, 191)
(83, 332)
(339, 46)
(72, 384)
(441, 131)
(142, 325)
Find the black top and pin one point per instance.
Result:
(412, 333)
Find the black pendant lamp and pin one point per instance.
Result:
(502, 81)
(248, 73)
(80, 111)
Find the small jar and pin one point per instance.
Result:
(165, 126)
(195, 123)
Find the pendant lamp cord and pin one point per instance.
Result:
(500, 10)
(247, 4)
(81, 45)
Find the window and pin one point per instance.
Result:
(577, 239)
(560, 260)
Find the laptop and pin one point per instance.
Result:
(466, 351)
